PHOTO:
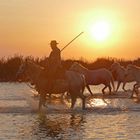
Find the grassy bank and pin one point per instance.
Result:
(9, 66)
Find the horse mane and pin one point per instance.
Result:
(76, 63)
(133, 66)
(116, 63)
(123, 68)
(34, 64)
(118, 66)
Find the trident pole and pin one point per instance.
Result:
(71, 41)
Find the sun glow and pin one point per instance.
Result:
(100, 30)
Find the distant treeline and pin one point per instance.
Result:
(9, 66)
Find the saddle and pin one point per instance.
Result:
(60, 73)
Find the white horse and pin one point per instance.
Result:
(74, 83)
(119, 72)
(135, 72)
(95, 77)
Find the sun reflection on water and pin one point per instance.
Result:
(98, 102)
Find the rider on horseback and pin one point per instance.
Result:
(53, 64)
(54, 59)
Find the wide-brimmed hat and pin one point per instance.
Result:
(54, 42)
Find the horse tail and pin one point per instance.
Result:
(112, 82)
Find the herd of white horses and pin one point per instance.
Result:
(78, 77)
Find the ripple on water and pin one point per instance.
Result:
(116, 118)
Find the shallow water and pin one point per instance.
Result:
(105, 118)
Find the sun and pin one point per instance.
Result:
(100, 30)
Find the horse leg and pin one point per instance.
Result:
(83, 88)
(109, 89)
(124, 83)
(83, 100)
(137, 92)
(89, 89)
(137, 89)
(134, 90)
(134, 86)
(103, 90)
(118, 86)
(62, 96)
(73, 100)
(41, 100)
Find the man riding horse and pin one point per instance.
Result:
(53, 66)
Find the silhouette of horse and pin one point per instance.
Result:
(135, 72)
(120, 75)
(74, 83)
(95, 77)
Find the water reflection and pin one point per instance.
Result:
(60, 127)
(136, 100)
(106, 118)
(48, 127)
(76, 120)
(92, 102)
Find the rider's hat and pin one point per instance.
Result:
(53, 42)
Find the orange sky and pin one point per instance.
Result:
(27, 26)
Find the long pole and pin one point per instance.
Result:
(71, 41)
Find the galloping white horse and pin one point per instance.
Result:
(95, 77)
(74, 83)
(120, 75)
(135, 72)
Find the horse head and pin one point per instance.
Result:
(115, 66)
(74, 67)
(78, 68)
(20, 75)
(130, 69)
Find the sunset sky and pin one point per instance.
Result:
(111, 27)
